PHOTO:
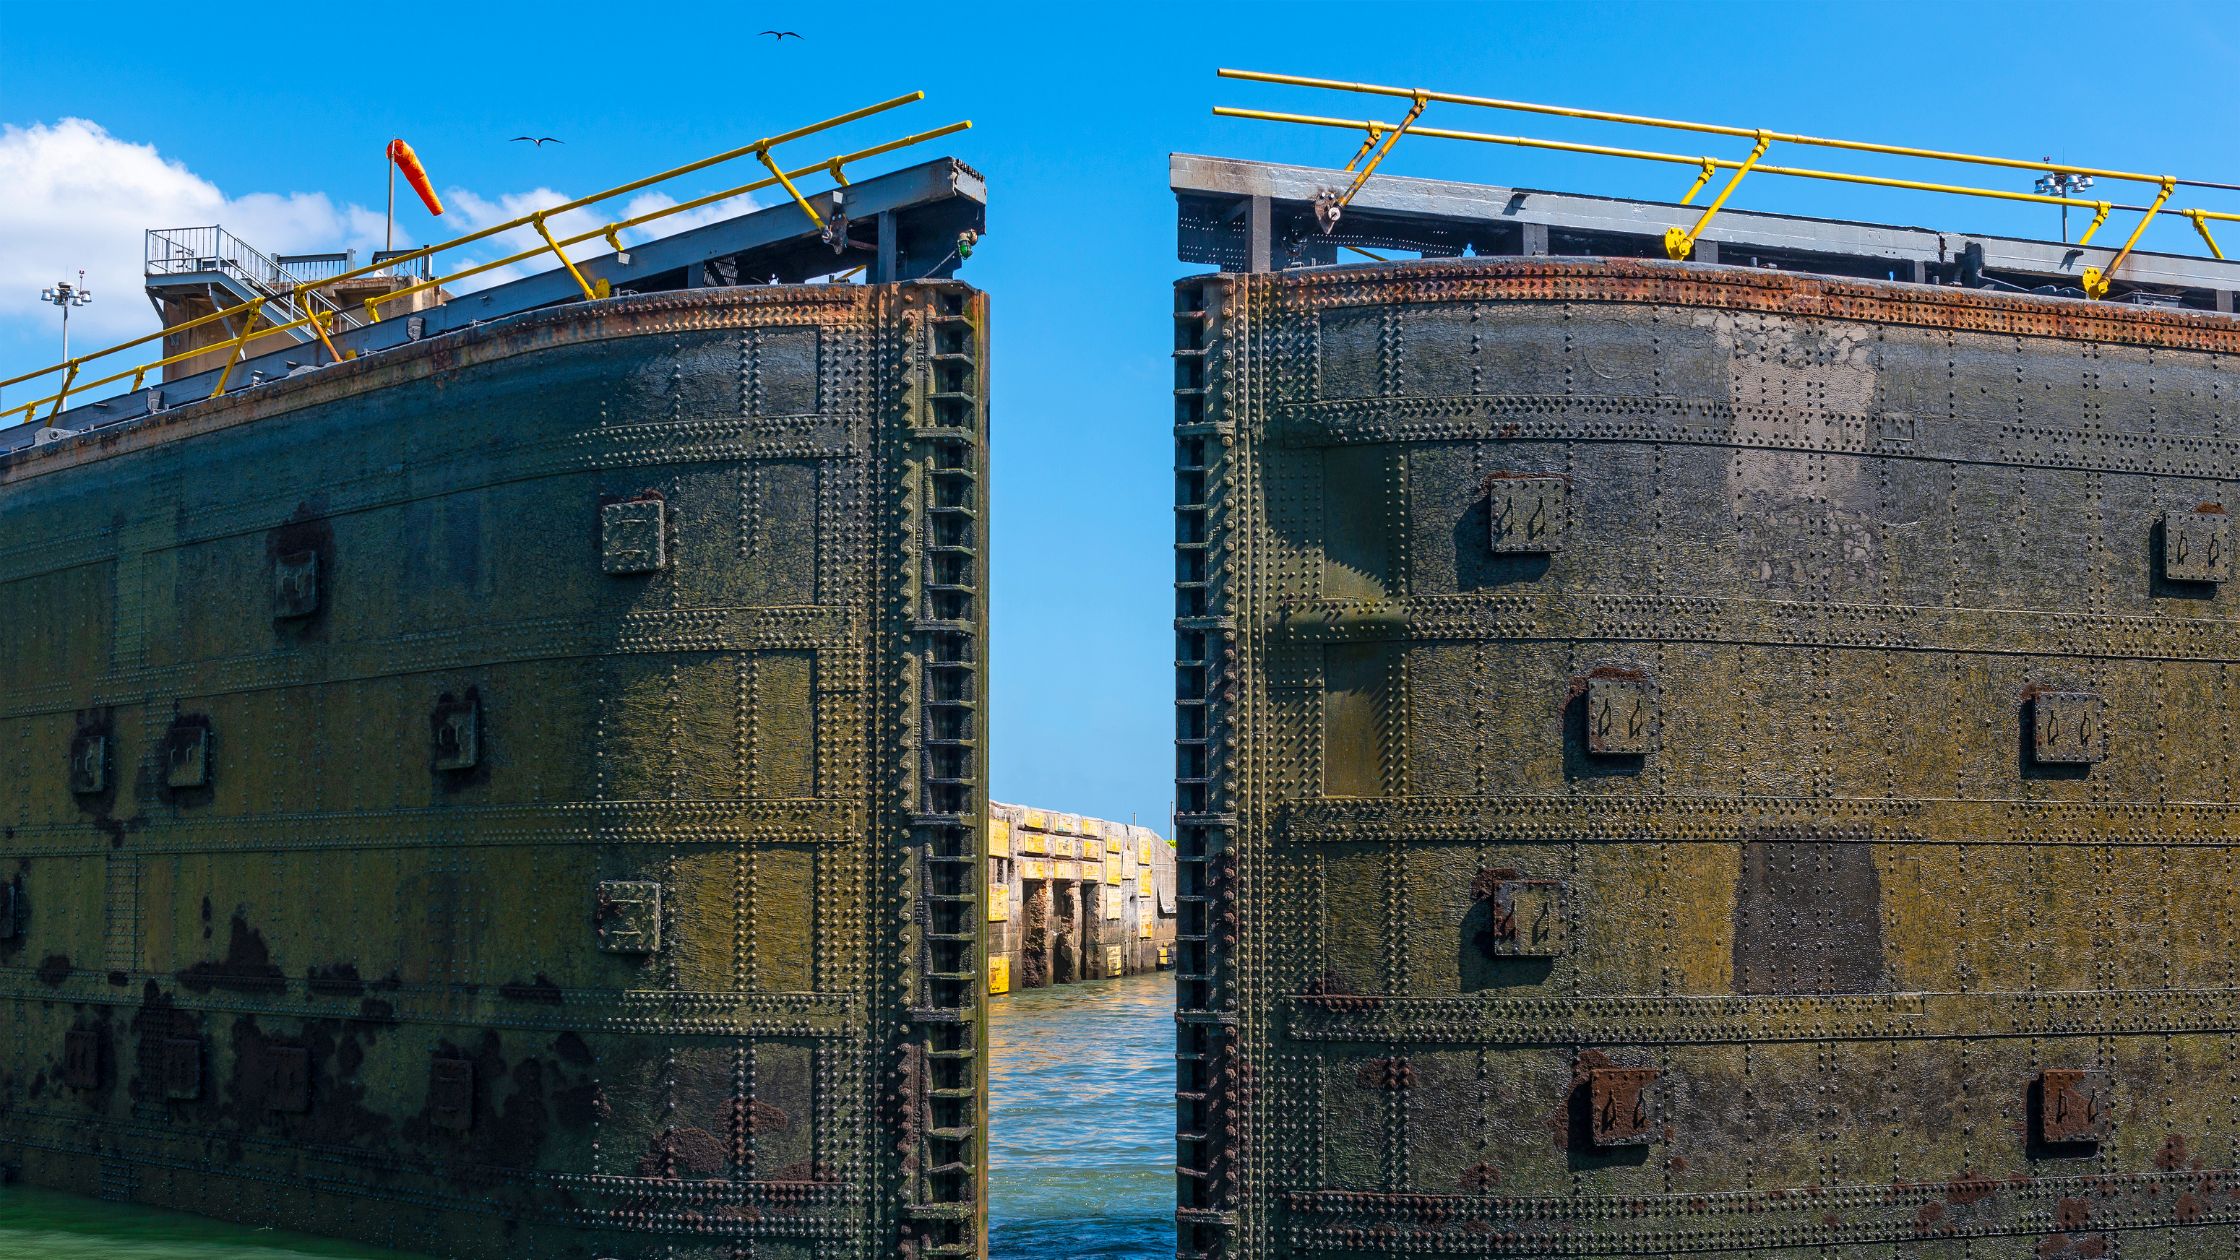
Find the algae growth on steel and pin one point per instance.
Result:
(1677, 759)
(519, 794)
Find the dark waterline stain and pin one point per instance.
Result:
(1081, 1149)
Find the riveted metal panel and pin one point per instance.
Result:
(517, 794)
(1862, 755)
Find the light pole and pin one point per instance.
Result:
(66, 295)
(2058, 183)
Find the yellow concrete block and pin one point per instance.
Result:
(999, 837)
(999, 975)
(1034, 820)
(1033, 842)
(1115, 960)
(999, 900)
(1033, 868)
(1112, 870)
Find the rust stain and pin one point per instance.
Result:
(1480, 1178)
(1970, 1189)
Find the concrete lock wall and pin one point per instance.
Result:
(1073, 898)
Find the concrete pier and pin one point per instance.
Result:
(1073, 898)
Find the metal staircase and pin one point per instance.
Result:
(211, 258)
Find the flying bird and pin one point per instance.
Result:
(782, 36)
(539, 141)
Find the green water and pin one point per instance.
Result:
(43, 1225)
(1081, 1149)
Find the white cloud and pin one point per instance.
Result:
(79, 197)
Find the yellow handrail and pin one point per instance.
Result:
(1680, 242)
(249, 331)
(1714, 129)
(607, 231)
(1710, 165)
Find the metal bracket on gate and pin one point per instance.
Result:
(628, 916)
(2071, 1106)
(2197, 545)
(1618, 1106)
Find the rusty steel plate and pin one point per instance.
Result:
(519, 794)
(1676, 759)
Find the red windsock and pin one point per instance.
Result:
(415, 174)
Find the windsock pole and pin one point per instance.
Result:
(401, 157)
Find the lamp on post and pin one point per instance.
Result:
(2059, 183)
(66, 295)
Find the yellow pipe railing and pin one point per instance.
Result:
(1713, 129)
(1710, 165)
(373, 303)
(1680, 242)
(235, 345)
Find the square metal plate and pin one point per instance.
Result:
(1527, 919)
(1528, 512)
(1620, 1106)
(634, 536)
(81, 1059)
(89, 765)
(2073, 1106)
(1622, 717)
(295, 585)
(2197, 546)
(451, 1094)
(2068, 728)
(629, 916)
(457, 728)
(186, 757)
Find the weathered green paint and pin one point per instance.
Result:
(1851, 706)
(538, 803)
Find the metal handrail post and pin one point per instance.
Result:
(240, 343)
(589, 293)
(2096, 279)
(1679, 244)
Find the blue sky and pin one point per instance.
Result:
(1076, 108)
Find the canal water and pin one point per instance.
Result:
(1080, 1149)
(1081, 1121)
